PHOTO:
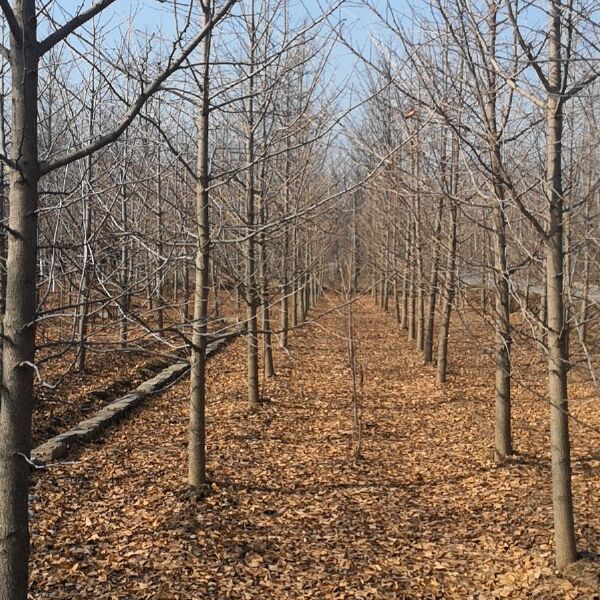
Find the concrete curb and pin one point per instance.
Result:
(90, 429)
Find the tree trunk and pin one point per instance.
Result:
(385, 300)
(197, 423)
(269, 367)
(251, 291)
(405, 279)
(87, 213)
(295, 278)
(124, 270)
(215, 286)
(354, 247)
(83, 301)
(18, 350)
(412, 300)
(285, 301)
(186, 293)
(564, 527)
(433, 286)
(449, 292)
(585, 292)
(160, 318)
(543, 310)
(3, 216)
(502, 421)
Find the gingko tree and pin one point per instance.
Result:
(516, 68)
(565, 73)
(26, 169)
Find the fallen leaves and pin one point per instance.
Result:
(424, 514)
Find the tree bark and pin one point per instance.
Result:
(124, 269)
(449, 292)
(160, 275)
(251, 291)
(564, 527)
(502, 421)
(433, 286)
(3, 214)
(285, 278)
(197, 423)
(405, 280)
(87, 214)
(19, 319)
(412, 300)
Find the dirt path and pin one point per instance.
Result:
(425, 514)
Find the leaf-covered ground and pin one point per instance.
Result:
(73, 396)
(424, 514)
(78, 395)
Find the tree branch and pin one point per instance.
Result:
(11, 19)
(578, 87)
(174, 151)
(135, 108)
(79, 19)
(7, 161)
(526, 48)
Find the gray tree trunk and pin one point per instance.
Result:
(502, 421)
(405, 280)
(251, 279)
(3, 214)
(87, 214)
(160, 275)
(19, 319)
(197, 423)
(564, 527)
(269, 367)
(84, 297)
(433, 286)
(285, 276)
(449, 292)
(124, 270)
(412, 299)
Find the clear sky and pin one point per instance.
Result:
(359, 22)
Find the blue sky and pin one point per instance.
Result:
(154, 16)
(358, 21)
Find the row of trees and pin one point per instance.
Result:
(151, 177)
(495, 107)
(155, 181)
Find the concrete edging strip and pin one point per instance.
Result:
(90, 429)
